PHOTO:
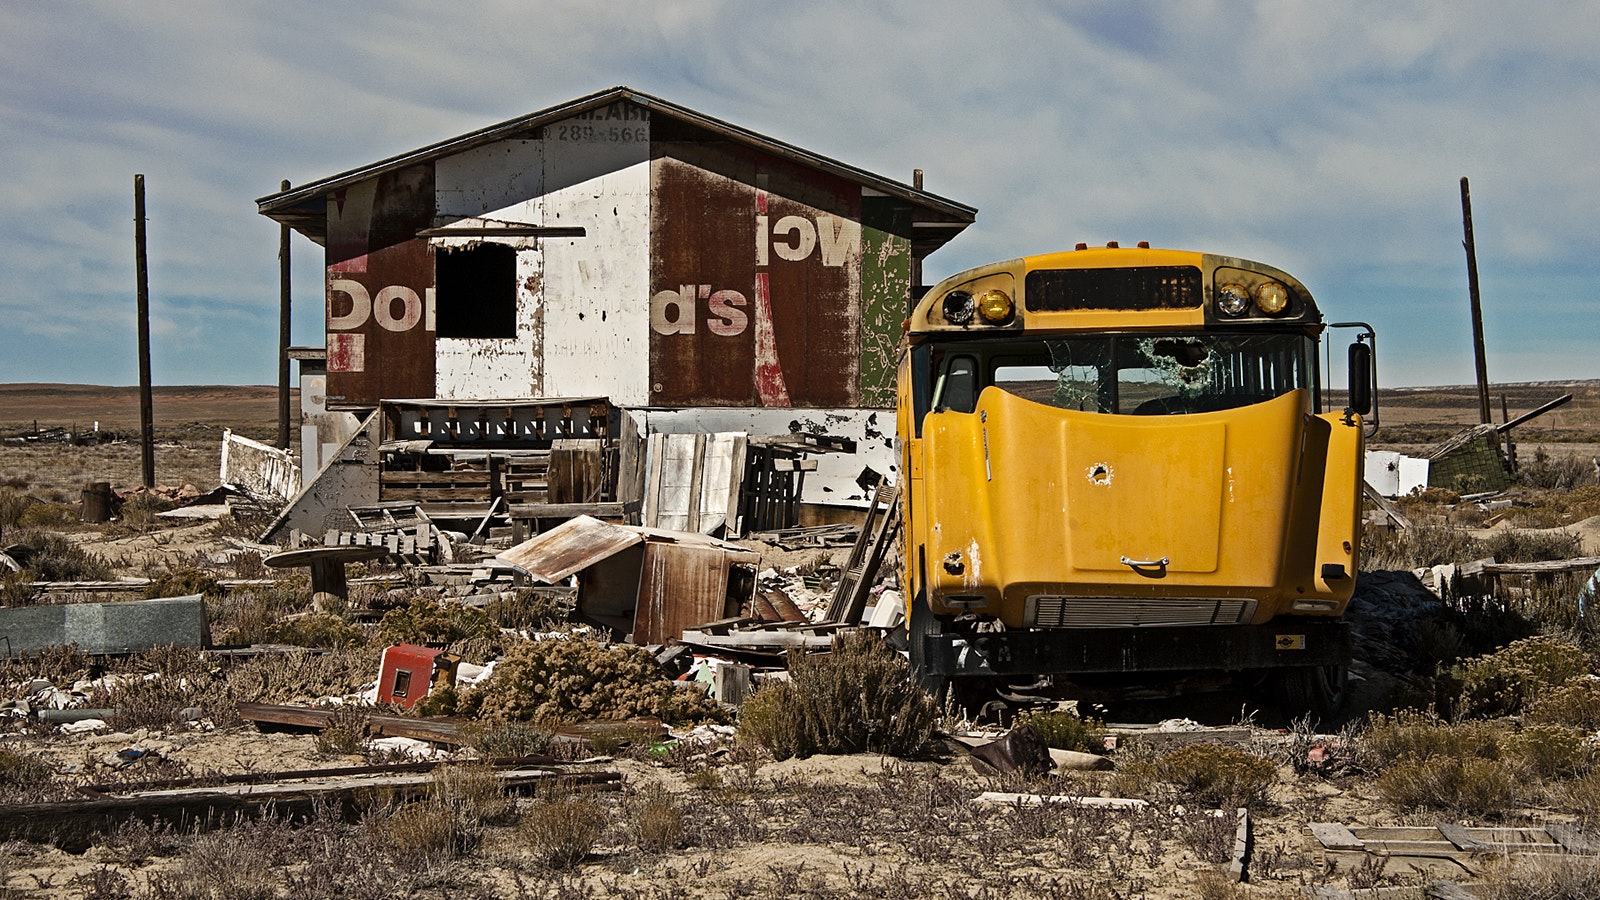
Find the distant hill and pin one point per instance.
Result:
(245, 408)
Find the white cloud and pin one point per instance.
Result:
(1325, 140)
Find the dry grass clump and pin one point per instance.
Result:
(51, 557)
(1215, 775)
(578, 679)
(300, 677)
(425, 620)
(562, 828)
(1550, 751)
(1422, 545)
(1063, 730)
(23, 776)
(1410, 734)
(1468, 768)
(655, 820)
(1571, 877)
(858, 698)
(183, 581)
(1575, 702)
(507, 740)
(1507, 681)
(346, 732)
(1470, 786)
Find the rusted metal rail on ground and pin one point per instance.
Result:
(75, 825)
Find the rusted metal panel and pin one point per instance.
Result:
(379, 289)
(755, 279)
(572, 546)
(682, 586)
(595, 315)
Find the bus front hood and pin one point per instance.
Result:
(1031, 500)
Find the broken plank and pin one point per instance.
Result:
(1573, 840)
(1333, 836)
(75, 825)
(756, 639)
(1459, 836)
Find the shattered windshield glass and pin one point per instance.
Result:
(1156, 374)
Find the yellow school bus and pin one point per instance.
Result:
(1117, 475)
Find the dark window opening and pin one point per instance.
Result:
(402, 683)
(476, 292)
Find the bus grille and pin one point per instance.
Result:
(1147, 287)
(1118, 612)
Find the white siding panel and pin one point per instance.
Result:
(596, 288)
(500, 182)
(834, 481)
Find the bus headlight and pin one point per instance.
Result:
(958, 308)
(995, 307)
(1272, 297)
(1233, 299)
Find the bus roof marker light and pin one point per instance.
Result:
(1272, 297)
(958, 308)
(1233, 299)
(996, 307)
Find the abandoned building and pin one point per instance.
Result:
(545, 313)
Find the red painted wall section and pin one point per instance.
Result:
(380, 290)
(755, 280)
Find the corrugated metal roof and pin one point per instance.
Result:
(304, 208)
(579, 543)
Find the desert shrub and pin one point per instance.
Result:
(1507, 681)
(1557, 473)
(860, 697)
(425, 620)
(1066, 731)
(475, 793)
(346, 732)
(1409, 734)
(562, 828)
(577, 679)
(513, 739)
(248, 616)
(23, 776)
(1423, 545)
(1575, 702)
(1517, 546)
(137, 513)
(183, 581)
(300, 677)
(537, 607)
(655, 820)
(430, 830)
(47, 515)
(1218, 775)
(12, 505)
(51, 557)
(317, 629)
(1549, 751)
(1466, 786)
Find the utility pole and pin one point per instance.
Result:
(1477, 307)
(283, 332)
(147, 427)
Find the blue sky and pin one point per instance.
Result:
(1328, 142)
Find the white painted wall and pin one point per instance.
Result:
(501, 182)
(583, 311)
(597, 287)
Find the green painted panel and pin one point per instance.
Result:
(885, 295)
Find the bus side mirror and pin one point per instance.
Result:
(1360, 373)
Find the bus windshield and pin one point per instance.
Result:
(1137, 374)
